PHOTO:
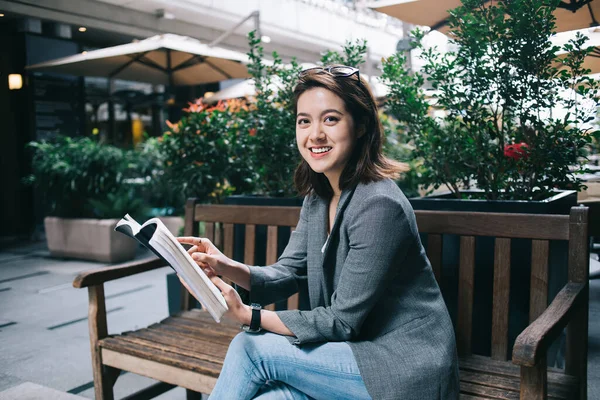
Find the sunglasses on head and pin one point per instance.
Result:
(338, 70)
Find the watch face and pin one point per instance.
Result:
(255, 306)
(247, 328)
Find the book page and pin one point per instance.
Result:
(129, 222)
(201, 286)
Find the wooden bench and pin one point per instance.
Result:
(187, 349)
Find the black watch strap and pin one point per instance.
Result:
(255, 320)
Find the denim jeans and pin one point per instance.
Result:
(267, 366)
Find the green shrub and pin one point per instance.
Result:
(69, 173)
(497, 91)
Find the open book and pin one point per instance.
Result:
(155, 236)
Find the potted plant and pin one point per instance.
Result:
(81, 183)
(499, 92)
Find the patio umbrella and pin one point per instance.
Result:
(163, 59)
(168, 59)
(570, 14)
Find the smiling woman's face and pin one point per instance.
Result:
(325, 133)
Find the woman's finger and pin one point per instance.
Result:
(202, 243)
(219, 283)
(189, 240)
(192, 250)
(203, 258)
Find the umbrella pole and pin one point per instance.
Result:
(156, 113)
(170, 90)
(111, 113)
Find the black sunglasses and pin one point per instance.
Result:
(339, 70)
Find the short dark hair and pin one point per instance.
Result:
(367, 162)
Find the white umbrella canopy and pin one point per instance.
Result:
(571, 14)
(167, 59)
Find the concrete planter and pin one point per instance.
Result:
(173, 224)
(88, 239)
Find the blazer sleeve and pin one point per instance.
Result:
(380, 234)
(282, 279)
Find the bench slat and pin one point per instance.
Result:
(157, 342)
(180, 328)
(196, 344)
(487, 392)
(164, 357)
(500, 299)
(538, 294)
(228, 240)
(194, 324)
(273, 215)
(249, 242)
(209, 231)
(508, 383)
(203, 316)
(477, 363)
(525, 226)
(465, 295)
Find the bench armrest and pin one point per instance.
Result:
(100, 275)
(533, 342)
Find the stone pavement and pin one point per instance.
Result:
(44, 345)
(43, 322)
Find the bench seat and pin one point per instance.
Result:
(192, 342)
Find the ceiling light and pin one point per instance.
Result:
(82, 29)
(265, 39)
(15, 81)
(1, 15)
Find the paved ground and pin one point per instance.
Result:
(43, 321)
(44, 332)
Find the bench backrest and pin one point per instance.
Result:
(503, 228)
(219, 220)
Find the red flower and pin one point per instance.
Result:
(252, 131)
(516, 151)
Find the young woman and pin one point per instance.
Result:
(378, 326)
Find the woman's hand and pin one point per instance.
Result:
(207, 256)
(238, 311)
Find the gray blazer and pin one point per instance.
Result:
(372, 287)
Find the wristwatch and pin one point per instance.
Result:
(254, 326)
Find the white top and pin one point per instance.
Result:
(324, 245)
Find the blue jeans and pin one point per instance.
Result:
(267, 366)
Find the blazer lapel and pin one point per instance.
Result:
(318, 221)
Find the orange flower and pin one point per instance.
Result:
(173, 127)
(197, 106)
(252, 131)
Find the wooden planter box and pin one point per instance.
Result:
(88, 239)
